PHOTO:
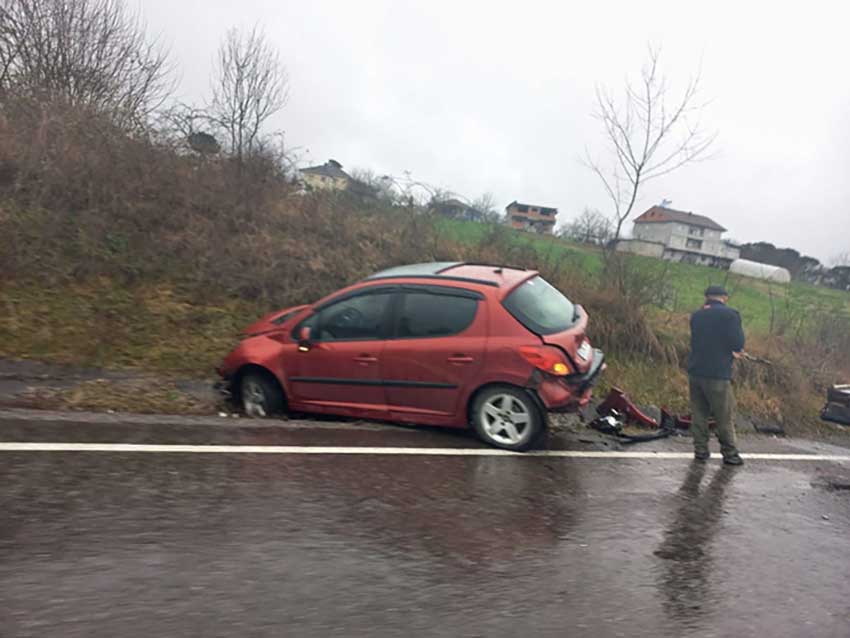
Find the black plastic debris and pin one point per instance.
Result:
(837, 408)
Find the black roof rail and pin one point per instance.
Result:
(438, 277)
(487, 264)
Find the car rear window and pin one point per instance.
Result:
(541, 307)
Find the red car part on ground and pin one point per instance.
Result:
(618, 402)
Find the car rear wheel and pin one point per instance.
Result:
(507, 417)
(260, 396)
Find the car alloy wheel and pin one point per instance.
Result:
(254, 399)
(507, 417)
(260, 396)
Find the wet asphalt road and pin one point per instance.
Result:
(144, 544)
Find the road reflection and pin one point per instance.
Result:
(472, 511)
(686, 548)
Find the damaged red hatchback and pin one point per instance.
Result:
(446, 344)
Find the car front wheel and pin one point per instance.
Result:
(260, 396)
(507, 417)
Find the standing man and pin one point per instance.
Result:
(717, 339)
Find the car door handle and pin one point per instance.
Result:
(366, 359)
(460, 359)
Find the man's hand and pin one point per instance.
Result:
(743, 355)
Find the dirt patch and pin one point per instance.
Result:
(28, 384)
(833, 483)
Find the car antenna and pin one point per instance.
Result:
(498, 270)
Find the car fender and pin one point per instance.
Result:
(261, 351)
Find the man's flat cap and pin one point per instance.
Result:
(716, 291)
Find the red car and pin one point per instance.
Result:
(446, 344)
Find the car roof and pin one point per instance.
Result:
(494, 275)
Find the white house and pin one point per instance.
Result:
(330, 177)
(679, 236)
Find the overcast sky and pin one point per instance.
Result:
(497, 97)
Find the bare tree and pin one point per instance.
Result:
(180, 122)
(88, 52)
(649, 134)
(250, 86)
(841, 259)
(591, 227)
(485, 205)
(381, 185)
(414, 193)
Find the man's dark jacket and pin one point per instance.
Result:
(716, 333)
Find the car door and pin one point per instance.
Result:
(338, 372)
(436, 352)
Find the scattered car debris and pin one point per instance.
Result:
(837, 408)
(618, 410)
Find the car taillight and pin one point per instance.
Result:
(546, 358)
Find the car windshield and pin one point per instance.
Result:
(541, 307)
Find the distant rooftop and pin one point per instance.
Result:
(524, 207)
(454, 202)
(331, 168)
(663, 215)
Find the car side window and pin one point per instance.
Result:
(360, 318)
(430, 315)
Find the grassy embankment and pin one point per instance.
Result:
(163, 327)
(119, 250)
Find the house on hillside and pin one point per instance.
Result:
(330, 177)
(530, 217)
(676, 235)
(455, 209)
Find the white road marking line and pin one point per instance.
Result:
(389, 451)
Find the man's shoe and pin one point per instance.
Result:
(733, 460)
(702, 456)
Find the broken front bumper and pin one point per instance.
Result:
(223, 388)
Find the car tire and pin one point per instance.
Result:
(507, 417)
(260, 396)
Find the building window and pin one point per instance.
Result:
(696, 230)
(694, 243)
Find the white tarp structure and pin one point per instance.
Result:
(757, 270)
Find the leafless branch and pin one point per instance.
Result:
(89, 52)
(250, 86)
(649, 134)
(842, 259)
(591, 227)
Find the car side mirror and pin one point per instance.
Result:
(304, 338)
